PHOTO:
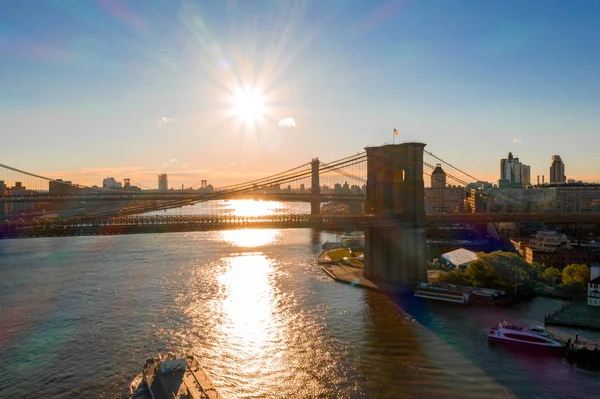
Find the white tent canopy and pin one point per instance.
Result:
(459, 258)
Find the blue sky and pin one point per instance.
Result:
(90, 89)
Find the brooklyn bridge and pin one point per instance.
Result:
(386, 199)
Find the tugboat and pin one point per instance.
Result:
(583, 353)
(533, 337)
(174, 376)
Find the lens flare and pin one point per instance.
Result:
(248, 105)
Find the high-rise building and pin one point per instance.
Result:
(513, 173)
(526, 175)
(557, 170)
(163, 184)
(438, 177)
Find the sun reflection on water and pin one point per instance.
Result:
(254, 208)
(248, 303)
(250, 238)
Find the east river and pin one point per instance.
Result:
(79, 315)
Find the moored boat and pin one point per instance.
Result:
(174, 376)
(439, 293)
(533, 337)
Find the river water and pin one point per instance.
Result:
(79, 315)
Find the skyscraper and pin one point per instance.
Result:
(163, 184)
(513, 173)
(557, 170)
(526, 175)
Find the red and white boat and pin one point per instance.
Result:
(534, 336)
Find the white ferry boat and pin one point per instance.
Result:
(534, 336)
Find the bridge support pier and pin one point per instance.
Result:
(396, 255)
(315, 188)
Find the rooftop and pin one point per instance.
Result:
(459, 256)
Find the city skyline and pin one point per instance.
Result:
(100, 89)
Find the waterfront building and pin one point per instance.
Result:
(577, 198)
(594, 286)
(16, 208)
(557, 170)
(61, 187)
(563, 198)
(562, 258)
(549, 241)
(111, 184)
(476, 201)
(163, 184)
(513, 173)
(554, 250)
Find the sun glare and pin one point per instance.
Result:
(248, 104)
(250, 238)
(254, 208)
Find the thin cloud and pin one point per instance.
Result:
(169, 162)
(185, 165)
(164, 120)
(287, 122)
(517, 141)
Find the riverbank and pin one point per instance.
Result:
(550, 292)
(575, 314)
(349, 275)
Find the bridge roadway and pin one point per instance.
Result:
(165, 224)
(178, 196)
(172, 224)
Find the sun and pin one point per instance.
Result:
(248, 105)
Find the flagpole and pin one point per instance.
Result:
(394, 136)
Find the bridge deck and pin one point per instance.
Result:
(165, 224)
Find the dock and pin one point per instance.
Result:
(349, 275)
(575, 314)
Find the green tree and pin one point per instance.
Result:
(551, 275)
(576, 275)
(537, 270)
(481, 274)
(510, 268)
(456, 277)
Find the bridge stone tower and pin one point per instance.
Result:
(315, 188)
(396, 255)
